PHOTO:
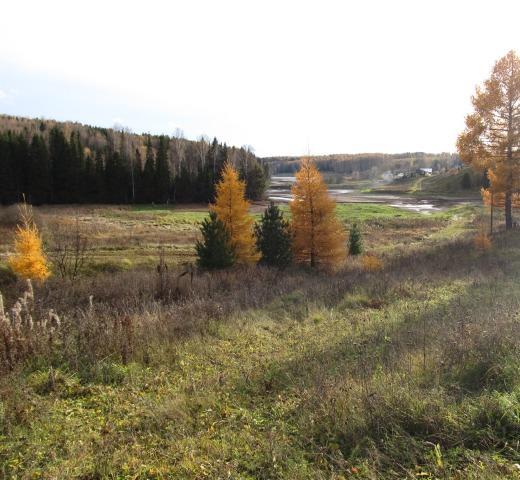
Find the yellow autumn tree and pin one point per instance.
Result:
(491, 139)
(232, 210)
(28, 260)
(494, 196)
(318, 236)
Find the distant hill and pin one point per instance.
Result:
(366, 164)
(69, 162)
(463, 182)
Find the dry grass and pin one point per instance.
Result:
(408, 372)
(371, 263)
(482, 242)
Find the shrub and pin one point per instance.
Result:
(371, 263)
(466, 181)
(7, 276)
(24, 335)
(482, 242)
(70, 249)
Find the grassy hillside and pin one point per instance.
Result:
(449, 184)
(453, 184)
(411, 372)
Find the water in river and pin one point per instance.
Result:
(280, 191)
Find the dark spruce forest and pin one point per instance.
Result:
(52, 162)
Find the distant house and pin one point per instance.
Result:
(425, 171)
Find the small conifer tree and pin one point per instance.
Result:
(466, 181)
(28, 261)
(355, 244)
(273, 238)
(215, 250)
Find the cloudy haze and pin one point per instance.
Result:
(284, 77)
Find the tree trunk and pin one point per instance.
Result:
(509, 211)
(491, 214)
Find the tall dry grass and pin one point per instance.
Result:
(123, 315)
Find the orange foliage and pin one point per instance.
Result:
(371, 263)
(482, 241)
(29, 260)
(490, 141)
(495, 193)
(232, 209)
(499, 198)
(318, 236)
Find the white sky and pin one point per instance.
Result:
(282, 76)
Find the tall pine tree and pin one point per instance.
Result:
(39, 175)
(162, 172)
(148, 176)
(60, 161)
(7, 180)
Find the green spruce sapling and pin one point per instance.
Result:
(215, 250)
(355, 243)
(273, 238)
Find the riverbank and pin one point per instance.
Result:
(400, 195)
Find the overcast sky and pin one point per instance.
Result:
(282, 76)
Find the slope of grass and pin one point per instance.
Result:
(412, 372)
(448, 184)
(444, 184)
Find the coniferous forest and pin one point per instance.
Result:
(52, 162)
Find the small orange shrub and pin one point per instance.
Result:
(371, 263)
(482, 242)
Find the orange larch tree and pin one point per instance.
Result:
(494, 196)
(318, 236)
(232, 210)
(491, 140)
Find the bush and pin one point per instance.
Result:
(371, 263)
(7, 276)
(482, 242)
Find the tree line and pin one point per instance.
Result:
(55, 163)
(367, 164)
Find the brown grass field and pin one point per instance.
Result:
(253, 373)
